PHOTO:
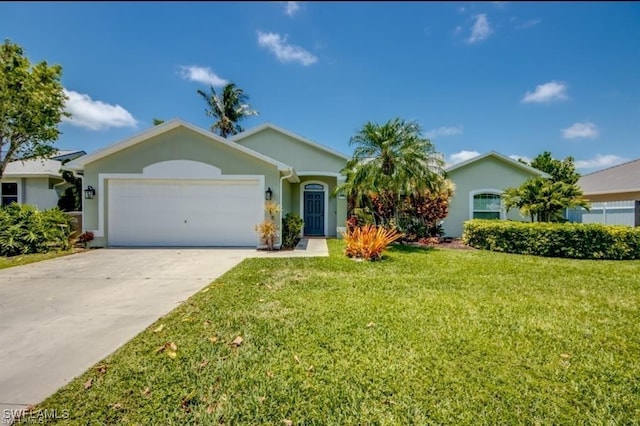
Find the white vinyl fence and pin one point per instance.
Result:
(608, 213)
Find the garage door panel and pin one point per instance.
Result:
(184, 212)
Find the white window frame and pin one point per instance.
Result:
(493, 191)
(18, 192)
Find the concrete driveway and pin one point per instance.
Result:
(61, 316)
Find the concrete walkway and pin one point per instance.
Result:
(307, 247)
(61, 316)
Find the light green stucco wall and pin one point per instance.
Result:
(487, 173)
(176, 144)
(301, 156)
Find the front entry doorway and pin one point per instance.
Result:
(314, 209)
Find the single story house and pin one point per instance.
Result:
(614, 194)
(176, 184)
(480, 182)
(35, 181)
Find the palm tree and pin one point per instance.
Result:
(544, 200)
(227, 109)
(391, 161)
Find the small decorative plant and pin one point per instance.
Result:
(368, 241)
(84, 238)
(268, 230)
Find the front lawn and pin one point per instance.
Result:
(426, 336)
(24, 259)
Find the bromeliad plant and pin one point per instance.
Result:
(267, 229)
(367, 242)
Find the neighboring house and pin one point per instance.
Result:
(176, 184)
(35, 181)
(614, 194)
(480, 182)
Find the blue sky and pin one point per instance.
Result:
(517, 78)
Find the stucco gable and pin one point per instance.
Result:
(508, 162)
(169, 126)
(300, 139)
(302, 154)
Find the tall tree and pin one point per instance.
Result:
(560, 170)
(390, 162)
(227, 109)
(545, 199)
(32, 104)
(157, 121)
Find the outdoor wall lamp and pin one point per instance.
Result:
(89, 193)
(268, 194)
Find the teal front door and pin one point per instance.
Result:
(313, 213)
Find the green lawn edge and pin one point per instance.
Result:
(25, 259)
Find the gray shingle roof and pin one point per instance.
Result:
(35, 167)
(621, 178)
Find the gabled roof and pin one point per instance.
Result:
(285, 132)
(35, 167)
(68, 154)
(175, 123)
(621, 178)
(502, 158)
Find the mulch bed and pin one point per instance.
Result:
(455, 244)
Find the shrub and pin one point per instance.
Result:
(571, 240)
(367, 242)
(292, 225)
(268, 230)
(24, 229)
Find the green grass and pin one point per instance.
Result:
(24, 259)
(424, 337)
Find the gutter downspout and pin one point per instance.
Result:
(280, 195)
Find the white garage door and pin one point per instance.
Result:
(155, 212)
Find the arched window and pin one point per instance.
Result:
(487, 205)
(313, 187)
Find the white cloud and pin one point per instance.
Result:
(201, 75)
(547, 92)
(520, 157)
(95, 115)
(444, 131)
(528, 24)
(600, 161)
(291, 7)
(480, 30)
(284, 51)
(461, 9)
(461, 156)
(580, 130)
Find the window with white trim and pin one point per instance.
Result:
(9, 191)
(487, 206)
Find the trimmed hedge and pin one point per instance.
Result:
(572, 240)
